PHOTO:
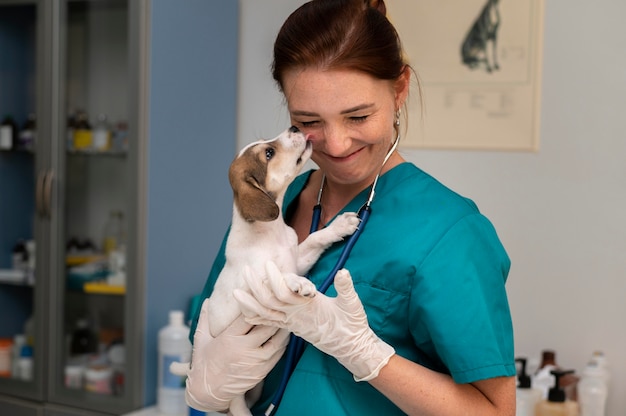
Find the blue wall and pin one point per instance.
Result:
(192, 140)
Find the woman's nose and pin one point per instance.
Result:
(336, 140)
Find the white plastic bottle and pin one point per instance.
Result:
(19, 340)
(526, 396)
(593, 390)
(174, 345)
(599, 357)
(25, 363)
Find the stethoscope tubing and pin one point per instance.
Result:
(297, 344)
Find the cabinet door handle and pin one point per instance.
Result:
(41, 178)
(47, 194)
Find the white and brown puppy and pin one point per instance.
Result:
(259, 176)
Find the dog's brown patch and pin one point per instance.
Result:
(247, 175)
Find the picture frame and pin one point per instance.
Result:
(479, 69)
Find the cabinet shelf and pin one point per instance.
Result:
(103, 288)
(13, 277)
(94, 152)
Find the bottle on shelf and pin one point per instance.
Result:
(19, 340)
(98, 379)
(29, 330)
(19, 256)
(557, 403)
(25, 363)
(114, 232)
(84, 342)
(71, 128)
(27, 134)
(593, 390)
(120, 136)
(31, 261)
(74, 376)
(8, 133)
(599, 357)
(83, 137)
(101, 134)
(6, 346)
(117, 357)
(173, 346)
(527, 397)
(543, 379)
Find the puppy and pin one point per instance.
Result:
(259, 176)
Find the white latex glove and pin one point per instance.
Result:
(230, 364)
(336, 326)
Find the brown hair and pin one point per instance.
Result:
(352, 34)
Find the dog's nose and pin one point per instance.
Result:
(294, 129)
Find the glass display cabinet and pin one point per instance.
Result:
(68, 185)
(84, 287)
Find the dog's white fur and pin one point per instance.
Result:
(259, 176)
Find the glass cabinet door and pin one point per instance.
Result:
(69, 301)
(21, 299)
(95, 200)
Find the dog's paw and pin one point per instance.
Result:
(345, 224)
(300, 285)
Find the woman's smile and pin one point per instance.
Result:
(343, 159)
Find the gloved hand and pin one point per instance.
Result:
(230, 364)
(336, 326)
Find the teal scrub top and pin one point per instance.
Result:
(430, 271)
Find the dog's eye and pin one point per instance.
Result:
(269, 153)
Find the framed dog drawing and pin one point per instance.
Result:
(479, 64)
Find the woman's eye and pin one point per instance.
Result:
(358, 119)
(308, 123)
(269, 153)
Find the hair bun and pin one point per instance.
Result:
(378, 5)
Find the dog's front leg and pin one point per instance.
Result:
(312, 248)
(494, 47)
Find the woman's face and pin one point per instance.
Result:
(349, 118)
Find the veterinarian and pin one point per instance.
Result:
(420, 323)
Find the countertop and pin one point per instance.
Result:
(152, 411)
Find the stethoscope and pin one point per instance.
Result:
(297, 344)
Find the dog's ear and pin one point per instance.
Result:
(247, 176)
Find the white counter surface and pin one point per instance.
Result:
(152, 411)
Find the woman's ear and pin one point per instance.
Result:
(402, 85)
